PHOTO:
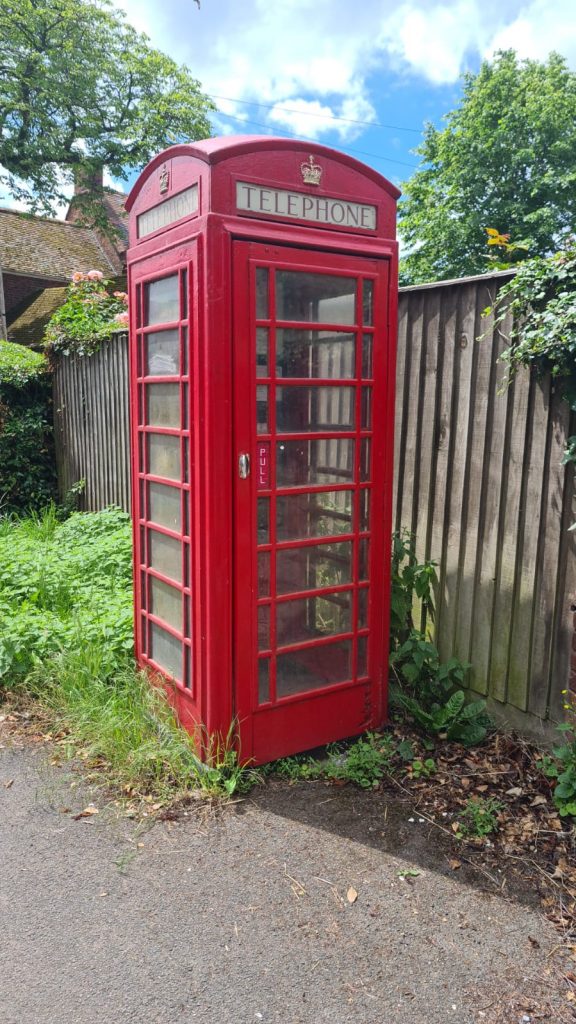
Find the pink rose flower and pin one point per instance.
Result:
(122, 296)
(122, 318)
(77, 277)
(95, 275)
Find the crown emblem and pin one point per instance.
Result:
(164, 179)
(311, 172)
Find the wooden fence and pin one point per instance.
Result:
(91, 423)
(478, 481)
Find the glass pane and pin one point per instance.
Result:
(166, 555)
(314, 408)
(317, 298)
(313, 668)
(364, 524)
(164, 506)
(184, 295)
(262, 409)
(184, 351)
(164, 456)
(326, 461)
(162, 354)
(264, 574)
(163, 405)
(368, 303)
(263, 680)
(366, 417)
(261, 293)
(262, 334)
(363, 559)
(363, 609)
(263, 520)
(162, 301)
(365, 462)
(310, 568)
(312, 617)
(166, 651)
(300, 516)
(367, 356)
(264, 627)
(362, 656)
(188, 674)
(301, 353)
(166, 603)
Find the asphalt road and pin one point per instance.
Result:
(243, 916)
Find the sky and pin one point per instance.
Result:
(362, 77)
(315, 68)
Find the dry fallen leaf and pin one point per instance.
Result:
(455, 864)
(351, 895)
(86, 813)
(533, 942)
(9, 784)
(538, 801)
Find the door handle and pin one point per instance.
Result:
(244, 466)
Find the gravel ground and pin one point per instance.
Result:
(243, 916)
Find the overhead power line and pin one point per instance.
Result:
(293, 135)
(311, 113)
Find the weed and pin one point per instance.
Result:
(364, 763)
(430, 691)
(562, 768)
(479, 817)
(422, 769)
(120, 717)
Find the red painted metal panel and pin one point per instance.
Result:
(215, 247)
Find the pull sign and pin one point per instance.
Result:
(263, 466)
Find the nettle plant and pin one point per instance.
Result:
(430, 691)
(89, 316)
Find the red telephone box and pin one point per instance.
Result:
(263, 327)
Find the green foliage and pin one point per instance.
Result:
(64, 586)
(411, 581)
(20, 366)
(66, 635)
(479, 817)
(429, 690)
(112, 712)
(506, 160)
(27, 462)
(89, 316)
(365, 763)
(541, 297)
(422, 769)
(562, 768)
(80, 88)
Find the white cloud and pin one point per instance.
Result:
(538, 29)
(316, 57)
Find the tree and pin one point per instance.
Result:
(80, 89)
(505, 160)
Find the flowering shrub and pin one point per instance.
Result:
(88, 317)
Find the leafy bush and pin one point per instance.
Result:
(27, 461)
(542, 300)
(89, 316)
(64, 585)
(430, 691)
